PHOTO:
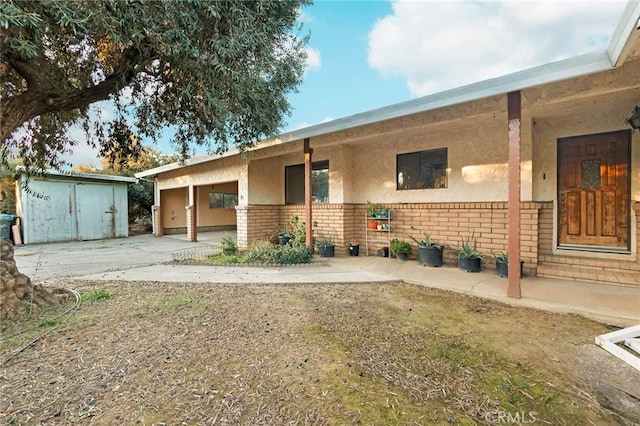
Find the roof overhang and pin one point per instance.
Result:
(623, 38)
(84, 176)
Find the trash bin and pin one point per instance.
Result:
(5, 225)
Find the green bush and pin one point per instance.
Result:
(228, 245)
(289, 254)
(292, 254)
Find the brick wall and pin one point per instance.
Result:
(586, 268)
(447, 223)
(158, 230)
(256, 222)
(191, 223)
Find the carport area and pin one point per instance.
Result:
(196, 209)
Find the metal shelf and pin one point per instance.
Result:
(378, 235)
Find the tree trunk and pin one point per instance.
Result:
(18, 296)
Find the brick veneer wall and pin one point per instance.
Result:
(447, 223)
(158, 231)
(588, 267)
(191, 223)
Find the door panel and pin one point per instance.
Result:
(96, 211)
(593, 190)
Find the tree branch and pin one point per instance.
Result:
(24, 70)
(37, 100)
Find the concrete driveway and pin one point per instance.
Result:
(146, 258)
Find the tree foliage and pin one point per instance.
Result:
(140, 194)
(215, 72)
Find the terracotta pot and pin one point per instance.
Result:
(373, 224)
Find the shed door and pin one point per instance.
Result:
(96, 211)
(593, 191)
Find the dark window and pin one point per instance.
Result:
(294, 183)
(219, 200)
(422, 170)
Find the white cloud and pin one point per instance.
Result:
(304, 17)
(305, 124)
(436, 45)
(314, 61)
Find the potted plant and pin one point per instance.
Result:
(354, 248)
(502, 265)
(283, 235)
(326, 247)
(469, 258)
(372, 211)
(402, 249)
(429, 252)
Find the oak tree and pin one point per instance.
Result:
(216, 72)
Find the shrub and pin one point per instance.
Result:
(292, 255)
(227, 245)
(400, 247)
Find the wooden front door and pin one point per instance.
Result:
(593, 191)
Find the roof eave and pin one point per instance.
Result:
(90, 176)
(555, 71)
(623, 36)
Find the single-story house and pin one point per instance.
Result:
(72, 206)
(540, 163)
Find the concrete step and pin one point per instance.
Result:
(588, 273)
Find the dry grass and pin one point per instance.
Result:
(297, 354)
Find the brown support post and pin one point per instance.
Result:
(308, 199)
(192, 214)
(514, 116)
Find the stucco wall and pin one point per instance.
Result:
(223, 170)
(549, 130)
(477, 165)
(215, 217)
(266, 175)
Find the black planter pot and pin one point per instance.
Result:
(354, 249)
(430, 256)
(283, 240)
(383, 252)
(469, 265)
(502, 268)
(401, 256)
(326, 251)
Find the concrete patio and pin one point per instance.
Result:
(146, 258)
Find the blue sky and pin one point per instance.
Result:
(368, 54)
(342, 83)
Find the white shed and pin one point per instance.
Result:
(72, 206)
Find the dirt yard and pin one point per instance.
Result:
(150, 353)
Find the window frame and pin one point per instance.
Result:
(315, 166)
(420, 155)
(228, 200)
